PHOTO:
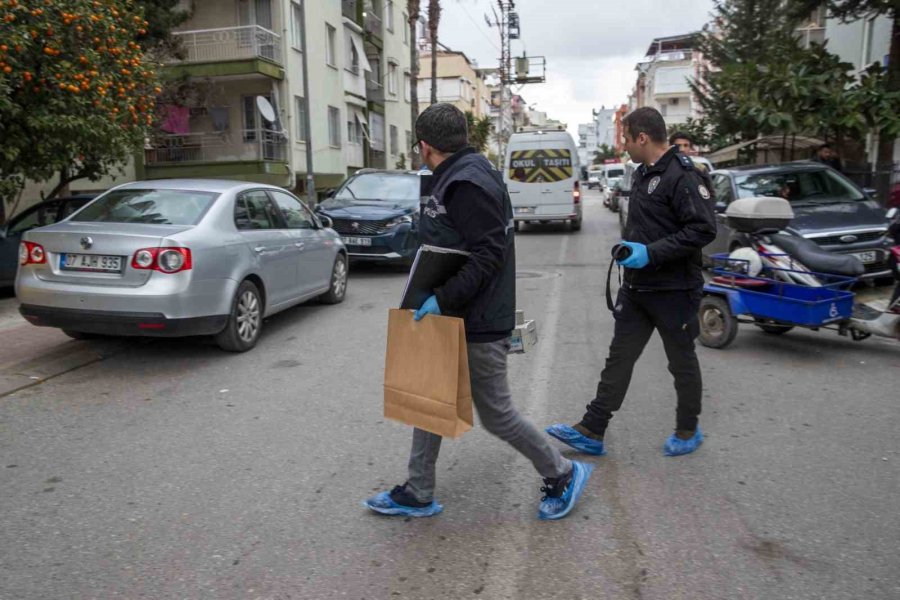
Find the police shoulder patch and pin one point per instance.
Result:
(686, 162)
(704, 193)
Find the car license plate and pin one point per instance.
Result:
(90, 262)
(866, 257)
(524, 210)
(358, 241)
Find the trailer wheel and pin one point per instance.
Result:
(718, 327)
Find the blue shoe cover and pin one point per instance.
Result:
(676, 446)
(557, 508)
(383, 503)
(582, 443)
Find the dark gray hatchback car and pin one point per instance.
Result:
(829, 210)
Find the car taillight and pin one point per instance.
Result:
(32, 254)
(164, 260)
(576, 193)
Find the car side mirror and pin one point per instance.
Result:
(326, 221)
(892, 213)
(721, 207)
(871, 192)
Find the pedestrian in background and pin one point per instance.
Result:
(826, 155)
(468, 208)
(670, 218)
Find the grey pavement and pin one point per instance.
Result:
(169, 469)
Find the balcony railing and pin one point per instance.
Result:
(373, 23)
(204, 147)
(374, 91)
(230, 43)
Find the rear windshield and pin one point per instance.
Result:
(160, 207)
(803, 187)
(615, 172)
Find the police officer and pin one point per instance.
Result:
(467, 208)
(670, 218)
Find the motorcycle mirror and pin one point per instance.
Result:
(892, 213)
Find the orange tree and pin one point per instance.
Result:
(76, 94)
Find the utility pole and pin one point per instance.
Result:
(310, 177)
(508, 24)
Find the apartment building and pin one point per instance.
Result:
(459, 81)
(243, 56)
(663, 76)
(599, 132)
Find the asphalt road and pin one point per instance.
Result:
(173, 470)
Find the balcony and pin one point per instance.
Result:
(230, 51)
(253, 154)
(374, 91)
(373, 22)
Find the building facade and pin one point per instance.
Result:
(663, 76)
(459, 82)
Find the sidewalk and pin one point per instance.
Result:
(30, 355)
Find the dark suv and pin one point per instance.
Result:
(829, 210)
(376, 213)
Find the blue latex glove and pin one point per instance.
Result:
(639, 257)
(429, 307)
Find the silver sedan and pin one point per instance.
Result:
(180, 257)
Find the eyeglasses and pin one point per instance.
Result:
(417, 148)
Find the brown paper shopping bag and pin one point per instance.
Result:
(426, 374)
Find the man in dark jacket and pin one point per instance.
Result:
(467, 208)
(670, 218)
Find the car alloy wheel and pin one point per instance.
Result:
(247, 316)
(339, 278)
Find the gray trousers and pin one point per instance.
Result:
(493, 402)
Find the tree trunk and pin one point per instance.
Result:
(885, 143)
(414, 12)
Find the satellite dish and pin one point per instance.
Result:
(265, 109)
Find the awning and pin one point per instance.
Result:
(777, 144)
(363, 60)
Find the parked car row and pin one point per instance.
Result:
(829, 209)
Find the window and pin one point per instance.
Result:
(354, 129)
(251, 118)
(406, 84)
(722, 189)
(389, 15)
(157, 207)
(394, 142)
(868, 35)
(44, 214)
(329, 46)
(353, 64)
(334, 126)
(405, 26)
(297, 25)
(392, 78)
(811, 188)
(295, 214)
(254, 210)
(301, 118)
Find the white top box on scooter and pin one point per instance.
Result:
(760, 214)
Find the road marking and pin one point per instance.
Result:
(509, 559)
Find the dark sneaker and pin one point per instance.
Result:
(399, 502)
(675, 446)
(562, 494)
(569, 436)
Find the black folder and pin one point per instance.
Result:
(432, 268)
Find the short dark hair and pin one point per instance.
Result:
(680, 135)
(823, 147)
(444, 127)
(646, 120)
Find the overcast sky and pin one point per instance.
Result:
(591, 46)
